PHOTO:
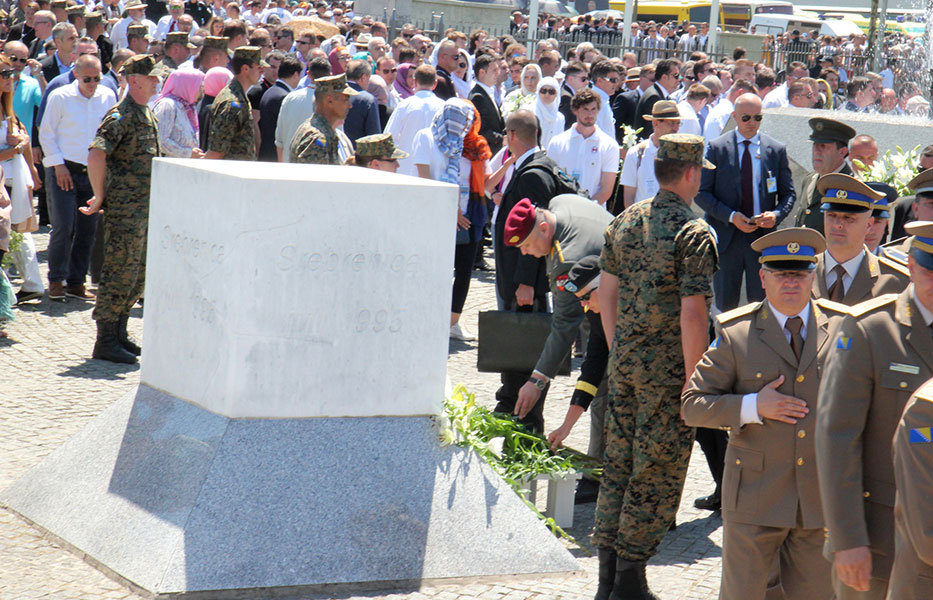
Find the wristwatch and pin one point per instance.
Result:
(538, 383)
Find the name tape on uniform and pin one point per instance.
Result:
(909, 369)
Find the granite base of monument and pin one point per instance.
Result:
(174, 500)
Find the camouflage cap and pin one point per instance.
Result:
(138, 30)
(827, 131)
(333, 84)
(663, 110)
(178, 37)
(685, 147)
(214, 41)
(251, 53)
(141, 64)
(380, 145)
(75, 10)
(92, 19)
(59, 4)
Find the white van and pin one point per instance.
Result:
(775, 24)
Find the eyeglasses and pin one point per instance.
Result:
(84, 79)
(612, 79)
(8, 74)
(389, 70)
(747, 118)
(548, 91)
(408, 35)
(14, 59)
(303, 42)
(91, 53)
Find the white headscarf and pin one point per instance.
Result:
(521, 84)
(549, 115)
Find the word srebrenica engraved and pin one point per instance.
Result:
(291, 258)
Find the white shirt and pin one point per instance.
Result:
(118, 33)
(689, 120)
(749, 413)
(164, 27)
(776, 98)
(297, 107)
(283, 15)
(425, 152)
(411, 116)
(851, 267)
(717, 119)
(70, 123)
(641, 176)
(585, 159)
(252, 19)
(605, 120)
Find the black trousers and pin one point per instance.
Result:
(512, 382)
(463, 271)
(714, 442)
(738, 259)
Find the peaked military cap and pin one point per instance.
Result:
(880, 208)
(141, 64)
(922, 184)
(846, 194)
(178, 37)
(333, 84)
(791, 249)
(685, 147)
(921, 247)
(214, 41)
(59, 4)
(251, 53)
(827, 131)
(379, 145)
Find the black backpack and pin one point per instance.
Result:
(563, 183)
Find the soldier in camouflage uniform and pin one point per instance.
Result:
(120, 167)
(177, 45)
(317, 140)
(657, 266)
(231, 123)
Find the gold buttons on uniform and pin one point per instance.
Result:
(866, 494)
(799, 462)
(800, 378)
(738, 461)
(902, 384)
(801, 434)
(758, 375)
(807, 211)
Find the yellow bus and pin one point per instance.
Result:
(731, 12)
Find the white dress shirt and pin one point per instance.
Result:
(605, 120)
(717, 119)
(749, 412)
(585, 158)
(851, 267)
(70, 123)
(689, 119)
(411, 116)
(776, 98)
(641, 176)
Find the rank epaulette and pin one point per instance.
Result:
(894, 264)
(869, 305)
(735, 313)
(836, 307)
(895, 255)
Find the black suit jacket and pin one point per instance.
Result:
(445, 88)
(36, 48)
(721, 189)
(902, 215)
(23, 33)
(623, 109)
(491, 126)
(566, 95)
(269, 107)
(363, 116)
(50, 67)
(651, 96)
(512, 267)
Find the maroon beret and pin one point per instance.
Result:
(520, 223)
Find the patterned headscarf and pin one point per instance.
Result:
(449, 127)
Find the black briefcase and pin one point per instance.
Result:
(512, 341)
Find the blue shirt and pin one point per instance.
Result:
(27, 96)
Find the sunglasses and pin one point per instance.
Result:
(747, 118)
(612, 79)
(8, 74)
(389, 70)
(548, 91)
(302, 42)
(14, 59)
(461, 65)
(84, 79)
(586, 297)
(408, 35)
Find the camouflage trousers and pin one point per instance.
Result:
(644, 467)
(123, 275)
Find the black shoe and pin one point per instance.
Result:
(673, 526)
(482, 265)
(587, 491)
(711, 502)
(627, 583)
(128, 343)
(646, 593)
(24, 296)
(107, 347)
(607, 573)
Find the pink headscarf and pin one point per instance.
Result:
(184, 86)
(335, 67)
(401, 80)
(215, 79)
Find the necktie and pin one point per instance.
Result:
(748, 186)
(172, 26)
(793, 326)
(837, 292)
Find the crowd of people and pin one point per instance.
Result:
(585, 173)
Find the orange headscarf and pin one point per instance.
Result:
(476, 150)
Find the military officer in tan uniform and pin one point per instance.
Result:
(847, 272)
(882, 353)
(912, 573)
(830, 149)
(759, 379)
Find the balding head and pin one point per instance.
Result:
(750, 102)
(747, 115)
(864, 148)
(523, 125)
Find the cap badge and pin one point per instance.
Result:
(793, 247)
(842, 194)
(513, 239)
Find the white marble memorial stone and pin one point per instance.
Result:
(272, 296)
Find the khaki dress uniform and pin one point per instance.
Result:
(882, 353)
(877, 275)
(823, 131)
(912, 573)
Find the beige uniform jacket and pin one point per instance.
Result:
(875, 276)
(882, 353)
(770, 467)
(912, 574)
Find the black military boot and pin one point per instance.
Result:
(108, 346)
(627, 585)
(607, 573)
(646, 592)
(128, 343)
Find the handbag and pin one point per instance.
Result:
(513, 341)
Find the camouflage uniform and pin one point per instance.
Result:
(316, 142)
(129, 138)
(661, 253)
(231, 130)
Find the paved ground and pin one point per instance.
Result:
(53, 389)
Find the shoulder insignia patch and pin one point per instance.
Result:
(715, 343)
(735, 313)
(894, 265)
(320, 141)
(895, 255)
(116, 115)
(921, 435)
(869, 305)
(843, 342)
(829, 305)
